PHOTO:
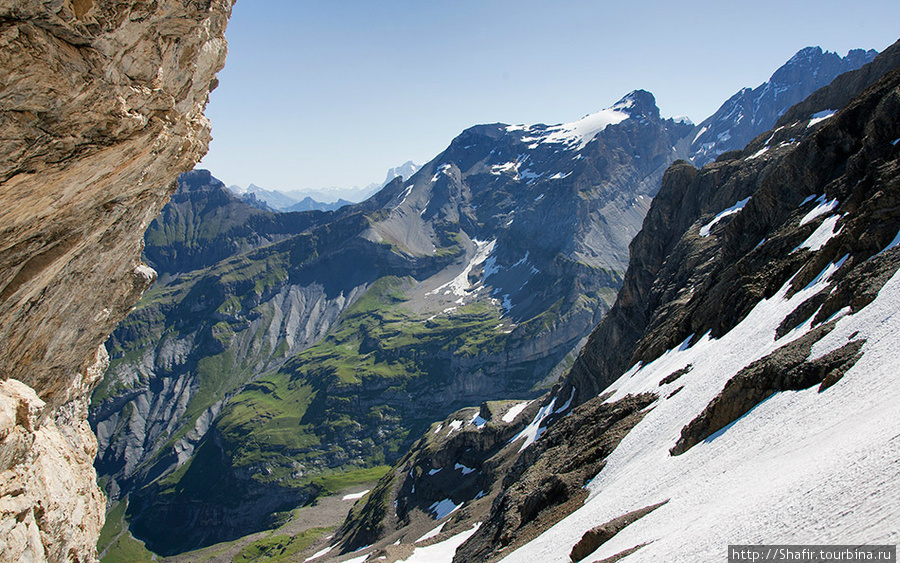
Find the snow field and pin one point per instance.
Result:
(801, 467)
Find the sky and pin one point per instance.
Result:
(317, 93)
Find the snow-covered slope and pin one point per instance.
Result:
(781, 423)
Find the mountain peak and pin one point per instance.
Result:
(753, 110)
(638, 103)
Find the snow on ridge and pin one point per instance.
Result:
(705, 229)
(578, 134)
(820, 116)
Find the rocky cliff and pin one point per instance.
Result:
(102, 105)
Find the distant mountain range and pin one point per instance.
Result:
(281, 347)
(317, 200)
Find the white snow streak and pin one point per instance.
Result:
(820, 116)
(534, 430)
(704, 230)
(432, 533)
(356, 496)
(823, 208)
(822, 235)
(460, 284)
(441, 551)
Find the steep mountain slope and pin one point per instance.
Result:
(741, 390)
(429, 294)
(753, 110)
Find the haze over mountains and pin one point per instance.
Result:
(320, 200)
(281, 347)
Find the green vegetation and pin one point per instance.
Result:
(116, 545)
(335, 482)
(339, 410)
(279, 548)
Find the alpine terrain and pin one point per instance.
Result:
(281, 355)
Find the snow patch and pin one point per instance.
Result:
(460, 284)
(700, 132)
(820, 116)
(822, 235)
(356, 496)
(758, 153)
(515, 411)
(567, 404)
(823, 208)
(535, 429)
(465, 470)
(441, 551)
(801, 467)
(477, 420)
(318, 554)
(894, 243)
(704, 230)
(433, 533)
(443, 508)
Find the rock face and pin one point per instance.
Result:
(102, 105)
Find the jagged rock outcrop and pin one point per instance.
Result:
(102, 104)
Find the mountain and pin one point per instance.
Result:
(405, 170)
(741, 387)
(750, 111)
(351, 331)
(309, 204)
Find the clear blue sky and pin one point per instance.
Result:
(318, 93)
